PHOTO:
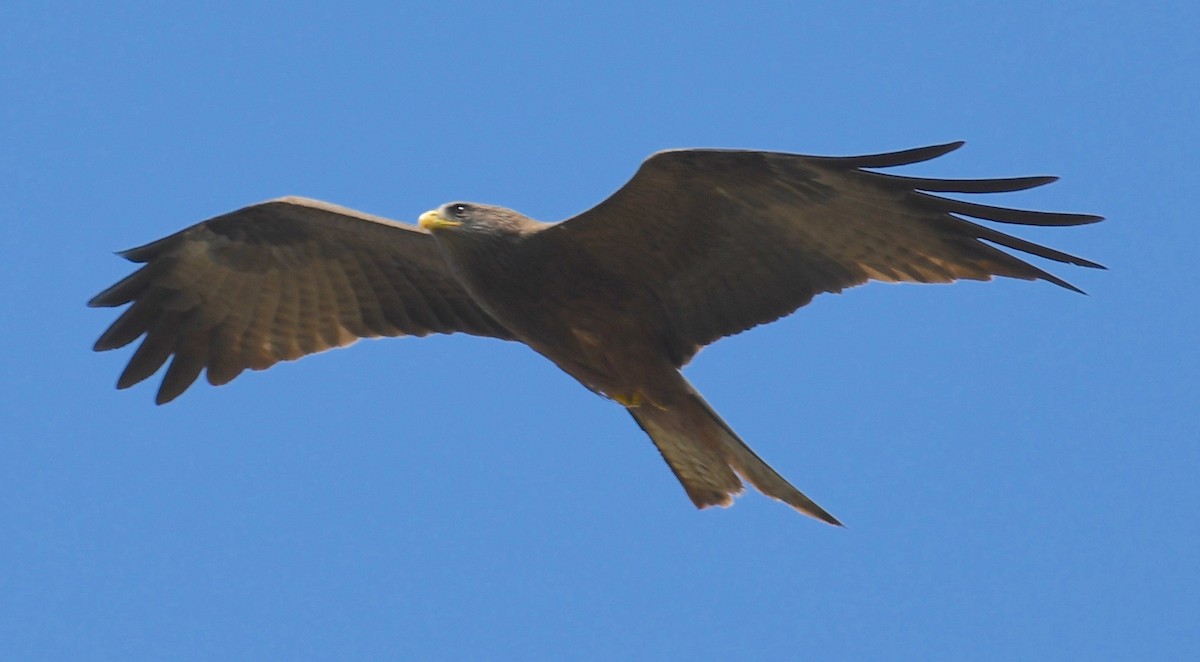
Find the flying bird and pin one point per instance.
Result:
(699, 244)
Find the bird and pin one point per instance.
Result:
(699, 244)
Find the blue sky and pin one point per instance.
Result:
(1017, 465)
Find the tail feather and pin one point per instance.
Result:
(699, 465)
(707, 456)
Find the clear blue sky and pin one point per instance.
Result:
(1017, 464)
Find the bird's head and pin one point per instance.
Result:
(471, 218)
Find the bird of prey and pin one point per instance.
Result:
(699, 244)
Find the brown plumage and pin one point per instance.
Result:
(700, 244)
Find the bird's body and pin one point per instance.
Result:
(698, 245)
(591, 322)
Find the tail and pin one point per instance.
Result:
(705, 453)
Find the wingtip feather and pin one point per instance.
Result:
(895, 159)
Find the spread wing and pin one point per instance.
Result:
(276, 281)
(726, 240)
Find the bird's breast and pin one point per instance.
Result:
(595, 325)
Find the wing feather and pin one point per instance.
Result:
(885, 160)
(276, 281)
(726, 239)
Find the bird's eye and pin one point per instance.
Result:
(459, 210)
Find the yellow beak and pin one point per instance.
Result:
(432, 220)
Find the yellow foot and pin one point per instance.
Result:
(634, 399)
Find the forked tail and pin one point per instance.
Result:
(707, 456)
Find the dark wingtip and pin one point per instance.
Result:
(147, 252)
(934, 185)
(1064, 284)
(130, 254)
(108, 298)
(1080, 262)
(894, 159)
(931, 151)
(1026, 183)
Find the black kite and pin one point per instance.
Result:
(700, 244)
